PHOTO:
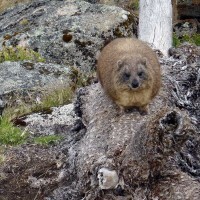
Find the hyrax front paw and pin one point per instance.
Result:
(143, 110)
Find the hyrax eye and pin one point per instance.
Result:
(127, 75)
(140, 74)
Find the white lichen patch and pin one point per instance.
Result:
(67, 10)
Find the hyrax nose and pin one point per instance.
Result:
(135, 83)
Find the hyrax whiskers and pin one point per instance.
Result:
(129, 72)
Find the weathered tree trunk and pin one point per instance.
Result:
(155, 23)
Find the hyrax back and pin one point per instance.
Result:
(129, 72)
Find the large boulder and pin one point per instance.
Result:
(69, 32)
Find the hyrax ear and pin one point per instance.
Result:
(119, 64)
(144, 61)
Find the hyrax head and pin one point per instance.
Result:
(133, 73)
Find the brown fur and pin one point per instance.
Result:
(129, 72)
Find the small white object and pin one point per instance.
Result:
(108, 179)
(124, 16)
(184, 67)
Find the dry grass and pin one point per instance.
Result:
(4, 4)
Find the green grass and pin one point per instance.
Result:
(176, 40)
(60, 96)
(2, 157)
(9, 134)
(47, 140)
(53, 97)
(134, 4)
(19, 54)
(80, 79)
(194, 39)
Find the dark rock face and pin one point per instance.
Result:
(188, 9)
(69, 32)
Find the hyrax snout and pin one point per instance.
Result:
(129, 72)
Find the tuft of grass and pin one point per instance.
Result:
(10, 135)
(134, 4)
(60, 96)
(176, 40)
(19, 54)
(51, 98)
(194, 39)
(2, 157)
(47, 140)
(79, 79)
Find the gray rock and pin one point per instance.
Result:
(17, 78)
(47, 124)
(69, 32)
(187, 27)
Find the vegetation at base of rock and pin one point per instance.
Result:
(2, 157)
(176, 40)
(9, 134)
(134, 4)
(50, 98)
(80, 79)
(19, 54)
(54, 97)
(47, 140)
(194, 39)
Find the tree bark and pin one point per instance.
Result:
(155, 23)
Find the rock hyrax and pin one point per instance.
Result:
(129, 72)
